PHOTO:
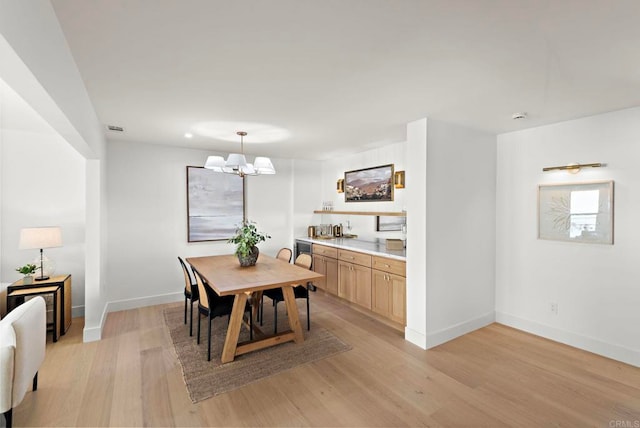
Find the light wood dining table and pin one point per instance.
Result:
(225, 275)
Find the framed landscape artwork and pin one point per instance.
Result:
(215, 204)
(576, 212)
(369, 184)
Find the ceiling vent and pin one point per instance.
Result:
(115, 128)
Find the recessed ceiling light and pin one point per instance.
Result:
(516, 116)
(188, 135)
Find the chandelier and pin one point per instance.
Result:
(237, 164)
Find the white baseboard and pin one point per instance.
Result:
(446, 334)
(415, 337)
(609, 350)
(140, 302)
(92, 334)
(77, 312)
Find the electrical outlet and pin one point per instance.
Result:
(554, 308)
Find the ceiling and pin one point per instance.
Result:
(342, 76)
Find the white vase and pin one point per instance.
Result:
(28, 279)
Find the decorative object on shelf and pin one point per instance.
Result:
(236, 163)
(340, 185)
(398, 179)
(215, 204)
(573, 168)
(390, 223)
(41, 238)
(369, 184)
(576, 212)
(247, 238)
(327, 206)
(27, 270)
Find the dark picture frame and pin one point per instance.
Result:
(390, 223)
(215, 204)
(369, 184)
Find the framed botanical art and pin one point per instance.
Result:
(369, 184)
(215, 204)
(576, 212)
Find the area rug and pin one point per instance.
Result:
(205, 379)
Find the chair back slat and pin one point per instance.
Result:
(303, 260)
(204, 297)
(284, 254)
(187, 277)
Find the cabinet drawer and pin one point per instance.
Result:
(325, 251)
(354, 257)
(389, 265)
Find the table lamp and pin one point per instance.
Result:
(41, 238)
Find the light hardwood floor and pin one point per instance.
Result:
(496, 376)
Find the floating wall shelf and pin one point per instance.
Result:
(382, 213)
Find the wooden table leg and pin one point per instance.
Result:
(292, 313)
(233, 331)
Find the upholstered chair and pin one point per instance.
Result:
(23, 338)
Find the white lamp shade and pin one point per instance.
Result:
(40, 237)
(215, 163)
(236, 161)
(264, 166)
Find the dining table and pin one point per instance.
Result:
(226, 277)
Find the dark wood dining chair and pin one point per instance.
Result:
(190, 293)
(211, 305)
(299, 291)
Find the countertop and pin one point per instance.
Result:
(375, 248)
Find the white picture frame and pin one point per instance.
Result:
(576, 212)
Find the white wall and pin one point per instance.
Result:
(37, 64)
(460, 233)
(332, 170)
(595, 286)
(43, 185)
(147, 219)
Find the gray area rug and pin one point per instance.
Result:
(205, 379)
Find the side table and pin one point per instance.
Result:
(59, 286)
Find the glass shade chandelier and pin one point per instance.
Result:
(237, 164)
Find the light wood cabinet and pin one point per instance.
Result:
(372, 282)
(354, 277)
(328, 267)
(389, 296)
(389, 289)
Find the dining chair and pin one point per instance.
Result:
(284, 254)
(299, 291)
(190, 293)
(212, 305)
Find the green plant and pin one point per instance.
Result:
(247, 237)
(27, 269)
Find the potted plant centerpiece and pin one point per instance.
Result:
(246, 238)
(27, 270)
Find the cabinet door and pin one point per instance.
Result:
(380, 293)
(362, 277)
(346, 281)
(389, 296)
(331, 273)
(320, 267)
(397, 308)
